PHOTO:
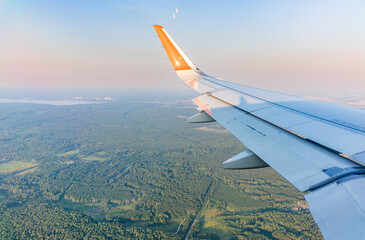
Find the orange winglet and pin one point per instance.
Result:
(177, 60)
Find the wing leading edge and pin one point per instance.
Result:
(318, 147)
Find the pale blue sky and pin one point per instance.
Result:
(278, 45)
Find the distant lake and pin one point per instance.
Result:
(50, 102)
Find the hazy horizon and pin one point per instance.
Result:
(282, 46)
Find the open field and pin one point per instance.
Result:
(13, 166)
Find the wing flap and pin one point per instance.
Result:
(317, 121)
(339, 208)
(300, 161)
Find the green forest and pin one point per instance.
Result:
(134, 168)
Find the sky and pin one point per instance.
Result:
(283, 45)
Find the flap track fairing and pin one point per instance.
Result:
(244, 160)
(201, 117)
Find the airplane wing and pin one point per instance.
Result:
(318, 147)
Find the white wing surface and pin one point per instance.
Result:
(318, 147)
